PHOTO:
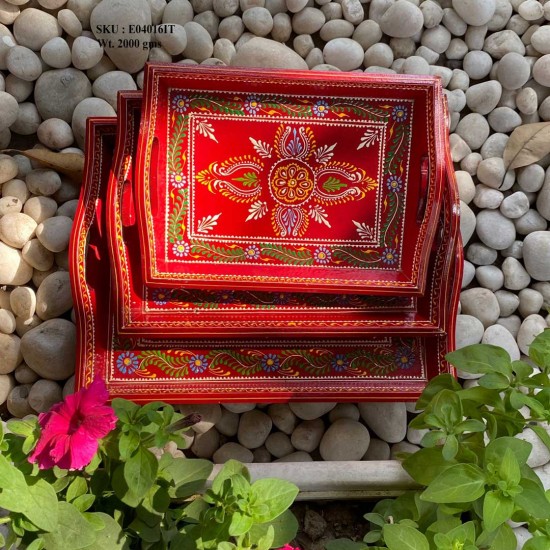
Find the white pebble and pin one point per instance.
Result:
(515, 275)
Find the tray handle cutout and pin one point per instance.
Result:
(156, 199)
(424, 180)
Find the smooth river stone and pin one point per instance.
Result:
(125, 13)
(262, 52)
(345, 440)
(494, 230)
(480, 303)
(54, 297)
(309, 411)
(14, 270)
(475, 12)
(59, 91)
(50, 349)
(497, 335)
(387, 420)
(254, 427)
(33, 28)
(536, 255)
(343, 53)
(402, 20)
(10, 353)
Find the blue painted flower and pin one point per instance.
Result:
(270, 362)
(320, 108)
(322, 255)
(127, 362)
(252, 104)
(399, 113)
(180, 249)
(404, 358)
(225, 296)
(181, 103)
(281, 298)
(340, 362)
(178, 180)
(161, 296)
(394, 183)
(252, 252)
(198, 364)
(390, 256)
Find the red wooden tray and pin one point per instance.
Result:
(289, 180)
(185, 370)
(191, 312)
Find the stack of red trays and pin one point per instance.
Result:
(253, 235)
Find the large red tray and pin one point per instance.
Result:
(191, 312)
(185, 370)
(302, 181)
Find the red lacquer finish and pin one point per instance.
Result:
(204, 340)
(289, 180)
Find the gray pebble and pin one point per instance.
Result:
(515, 275)
(387, 420)
(345, 440)
(480, 303)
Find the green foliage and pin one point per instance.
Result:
(472, 471)
(127, 498)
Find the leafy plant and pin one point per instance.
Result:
(129, 494)
(473, 471)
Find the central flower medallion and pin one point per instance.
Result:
(291, 182)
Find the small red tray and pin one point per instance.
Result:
(289, 180)
(225, 369)
(191, 312)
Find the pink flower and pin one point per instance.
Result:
(71, 430)
(288, 547)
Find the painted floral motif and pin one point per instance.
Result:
(394, 183)
(404, 358)
(178, 180)
(320, 108)
(270, 362)
(180, 249)
(252, 104)
(161, 296)
(300, 181)
(198, 364)
(252, 252)
(399, 113)
(322, 255)
(181, 103)
(390, 256)
(340, 363)
(127, 362)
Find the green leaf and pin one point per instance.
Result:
(24, 427)
(460, 483)
(140, 472)
(266, 542)
(481, 359)
(509, 469)
(505, 539)
(125, 410)
(533, 500)
(471, 425)
(434, 386)
(497, 508)
(42, 508)
(375, 519)
(189, 476)
(36, 544)
(15, 493)
(522, 369)
(128, 444)
(229, 469)
(333, 184)
(450, 448)
(495, 451)
(72, 532)
(271, 497)
(537, 543)
(401, 537)
(285, 528)
(425, 465)
(494, 381)
(110, 537)
(240, 524)
(542, 434)
(76, 488)
(226, 546)
(83, 502)
(248, 180)
(539, 350)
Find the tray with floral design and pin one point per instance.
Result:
(229, 369)
(289, 180)
(182, 311)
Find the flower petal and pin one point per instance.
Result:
(83, 448)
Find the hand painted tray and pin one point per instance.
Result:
(192, 312)
(289, 180)
(229, 369)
